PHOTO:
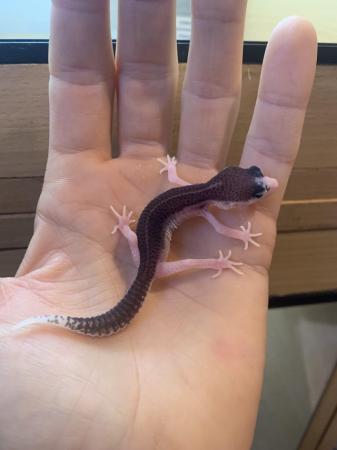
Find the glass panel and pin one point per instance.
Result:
(183, 19)
(20, 19)
(23, 19)
(301, 355)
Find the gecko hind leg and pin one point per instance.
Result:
(167, 268)
(123, 225)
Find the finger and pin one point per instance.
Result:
(147, 74)
(81, 82)
(285, 86)
(212, 86)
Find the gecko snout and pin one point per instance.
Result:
(264, 185)
(270, 183)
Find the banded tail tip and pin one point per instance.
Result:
(59, 321)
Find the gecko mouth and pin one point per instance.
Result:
(270, 183)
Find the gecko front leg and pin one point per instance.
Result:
(171, 169)
(244, 234)
(124, 221)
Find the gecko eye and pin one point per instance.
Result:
(255, 171)
(259, 191)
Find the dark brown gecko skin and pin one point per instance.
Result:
(231, 186)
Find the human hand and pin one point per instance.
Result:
(187, 372)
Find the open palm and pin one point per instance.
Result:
(187, 372)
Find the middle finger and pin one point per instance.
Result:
(147, 73)
(212, 86)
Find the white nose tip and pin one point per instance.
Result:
(271, 183)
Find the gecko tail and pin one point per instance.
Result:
(105, 324)
(56, 320)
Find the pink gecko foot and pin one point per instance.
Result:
(167, 268)
(124, 221)
(171, 169)
(244, 235)
(247, 236)
(225, 263)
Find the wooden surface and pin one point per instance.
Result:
(306, 254)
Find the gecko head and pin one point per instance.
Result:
(239, 185)
(261, 184)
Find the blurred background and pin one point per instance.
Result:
(20, 19)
